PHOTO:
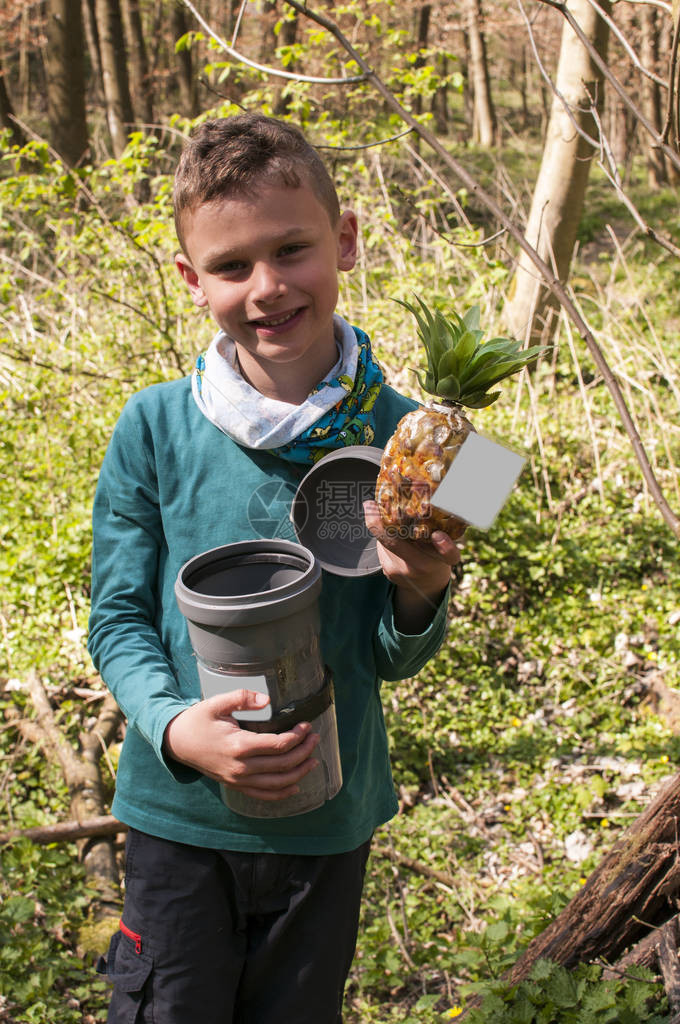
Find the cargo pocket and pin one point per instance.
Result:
(128, 967)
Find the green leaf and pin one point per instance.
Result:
(541, 970)
(18, 909)
(498, 931)
(448, 387)
(493, 374)
(471, 318)
(480, 399)
(562, 989)
(448, 364)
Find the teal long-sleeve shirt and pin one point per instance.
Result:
(173, 485)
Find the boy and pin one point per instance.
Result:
(229, 918)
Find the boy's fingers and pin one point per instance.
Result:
(447, 548)
(224, 704)
(275, 743)
(373, 520)
(439, 546)
(274, 783)
(266, 753)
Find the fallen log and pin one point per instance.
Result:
(633, 891)
(66, 831)
(667, 951)
(82, 774)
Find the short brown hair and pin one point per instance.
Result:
(228, 156)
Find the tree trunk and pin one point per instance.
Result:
(618, 131)
(184, 64)
(560, 189)
(668, 68)
(651, 94)
(24, 60)
(484, 125)
(92, 40)
(231, 15)
(114, 72)
(268, 43)
(287, 38)
(440, 100)
(140, 79)
(65, 70)
(633, 889)
(17, 137)
(422, 32)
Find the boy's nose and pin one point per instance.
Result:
(267, 283)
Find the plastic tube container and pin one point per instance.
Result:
(253, 618)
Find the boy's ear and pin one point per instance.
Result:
(348, 231)
(190, 278)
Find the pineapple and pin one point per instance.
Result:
(460, 370)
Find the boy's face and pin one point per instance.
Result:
(266, 267)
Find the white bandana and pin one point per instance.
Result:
(252, 419)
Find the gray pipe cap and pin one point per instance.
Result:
(327, 512)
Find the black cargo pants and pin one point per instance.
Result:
(223, 937)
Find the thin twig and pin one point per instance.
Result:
(291, 75)
(369, 145)
(614, 28)
(397, 937)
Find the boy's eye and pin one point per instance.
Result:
(291, 249)
(232, 267)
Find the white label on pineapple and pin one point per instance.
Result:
(479, 481)
(213, 683)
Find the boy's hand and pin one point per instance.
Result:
(420, 570)
(264, 765)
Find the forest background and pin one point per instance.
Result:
(549, 720)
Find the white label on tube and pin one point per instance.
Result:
(213, 683)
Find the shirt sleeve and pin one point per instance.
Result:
(128, 541)
(400, 655)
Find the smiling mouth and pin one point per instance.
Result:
(276, 321)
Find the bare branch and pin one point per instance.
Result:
(614, 28)
(551, 281)
(369, 145)
(237, 26)
(612, 173)
(291, 75)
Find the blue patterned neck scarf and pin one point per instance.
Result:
(351, 420)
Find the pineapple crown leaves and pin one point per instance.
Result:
(461, 367)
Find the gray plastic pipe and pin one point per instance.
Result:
(253, 618)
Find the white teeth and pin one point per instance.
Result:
(275, 321)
